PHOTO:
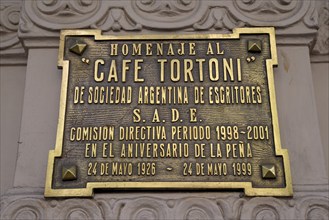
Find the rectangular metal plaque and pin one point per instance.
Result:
(168, 112)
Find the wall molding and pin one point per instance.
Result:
(320, 50)
(167, 14)
(43, 19)
(30, 203)
(40, 21)
(11, 49)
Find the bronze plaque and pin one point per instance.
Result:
(168, 112)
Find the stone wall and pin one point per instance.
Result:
(30, 85)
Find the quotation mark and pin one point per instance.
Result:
(85, 60)
(251, 59)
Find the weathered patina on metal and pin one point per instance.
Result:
(168, 112)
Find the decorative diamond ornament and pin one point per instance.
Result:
(78, 48)
(254, 46)
(69, 173)
(268, 171)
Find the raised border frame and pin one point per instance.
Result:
(247, 186)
